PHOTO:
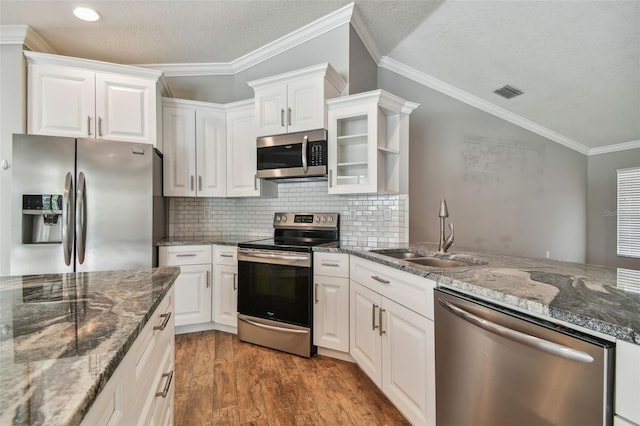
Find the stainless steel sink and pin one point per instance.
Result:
(437, 262)
(404, 255)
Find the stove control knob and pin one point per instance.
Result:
(317, 218)
(277, 219)
(283, 218)
(324, 219)
(330, 219)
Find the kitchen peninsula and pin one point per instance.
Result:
(65, 337)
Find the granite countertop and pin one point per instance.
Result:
(63, 335)
(220, 240)
(601, 299)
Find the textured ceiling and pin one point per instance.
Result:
(578, 62)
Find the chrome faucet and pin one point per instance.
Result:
(445, 242)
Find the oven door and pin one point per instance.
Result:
(275, 285)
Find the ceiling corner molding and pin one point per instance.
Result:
(481, 104)
(615, 148)
(24, 35)
(365, 35)
(295, 38)
(308, 32)
(192, 70)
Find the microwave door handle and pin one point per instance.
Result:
(305, 141)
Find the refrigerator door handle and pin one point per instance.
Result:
(67, 218)
(81, 217)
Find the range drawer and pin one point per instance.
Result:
(331, 264)
(411, 291)
(184, 255)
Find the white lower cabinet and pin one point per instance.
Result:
(391, 343)
(331, 301)
(627, 388)
(193, 286)
(141, 389)
(225, 286)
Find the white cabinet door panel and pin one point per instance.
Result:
(331, 313)
(365, 345)
(305, 105)
(627, 392)
(180, 157)
(193, 295)
(271, 104)
(241, 154)
(226, 295)
(211, 153)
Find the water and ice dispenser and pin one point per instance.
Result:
(41, 219)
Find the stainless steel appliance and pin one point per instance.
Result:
(293, 155)
(84, 205)
(275, 282)
(499, 367)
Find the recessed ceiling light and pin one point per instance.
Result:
(86, 14)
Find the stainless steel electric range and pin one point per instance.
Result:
(275, 281)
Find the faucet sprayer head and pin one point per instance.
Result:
(444, 212)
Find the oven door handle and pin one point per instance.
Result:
(275, 256)
(271, 327)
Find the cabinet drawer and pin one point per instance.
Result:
(411, 291)
(627, 381)
(226, 255)
(331, 264)
(184, 255)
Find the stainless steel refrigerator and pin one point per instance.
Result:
(84, 205)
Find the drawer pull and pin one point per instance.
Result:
(226, 255)
(167, 384)
(333, 265)
(186, 255)
(380, 280)
(165, 321)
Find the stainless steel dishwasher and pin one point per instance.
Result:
(498, 367)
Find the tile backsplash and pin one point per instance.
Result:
(366, 221)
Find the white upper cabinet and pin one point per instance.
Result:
(368, 146)
(295, 101)
(242, 180)
(195, 148)
(82, 98)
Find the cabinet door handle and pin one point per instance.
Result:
(380, 280)
(373, 317)
(191, 178)
(380, 321)
(88, 125)
(167, 384)
(99, 126)
(235, 282)
(199, 182)
(330, 178)
(289, 117)
(166, 317)
(282, 117)
(207, 279)
(316, 298)
(255, 182)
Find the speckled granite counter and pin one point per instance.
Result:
(221, 241)
(63, 335)
(601, 299)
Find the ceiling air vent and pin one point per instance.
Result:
(508, 92)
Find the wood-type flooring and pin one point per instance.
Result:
(220, 380)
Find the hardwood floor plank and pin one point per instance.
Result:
(248, 384)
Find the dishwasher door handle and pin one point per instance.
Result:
(516, 336)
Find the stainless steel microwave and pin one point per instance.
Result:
(293, 155)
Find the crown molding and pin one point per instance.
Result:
(469, 99)
(25, 36)
(363, 32)
(615, 148)
(308, 32)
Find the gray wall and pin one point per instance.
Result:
(602, 205)
(508, 190)
(329, 47)
(362, 68)
(12, 120)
